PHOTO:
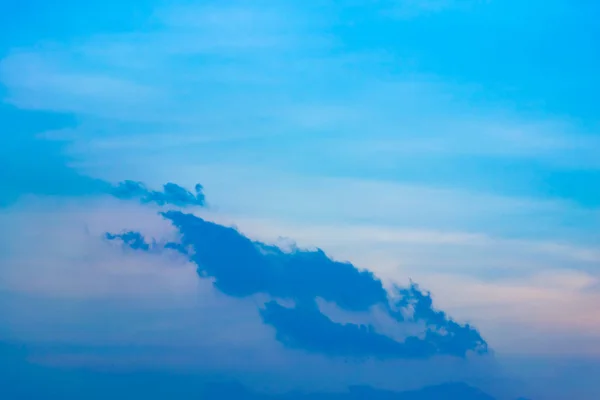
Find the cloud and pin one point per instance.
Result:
(133, 239)
(172, 194)
(235, 64)
(80, 301)
(545, 289)
(306, 327)
(241, 267)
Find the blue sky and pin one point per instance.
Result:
(454, 143)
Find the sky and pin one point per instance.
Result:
(285, 199)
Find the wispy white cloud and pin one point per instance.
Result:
(92, 295)
(554, 309)
(539, 311)
(238, 70)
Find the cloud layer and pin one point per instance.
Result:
(241, 267)
(193, 293)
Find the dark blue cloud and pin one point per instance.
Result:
(135, 240)
(305, 327)
(241, 267)
(171, 194)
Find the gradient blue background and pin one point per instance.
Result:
(452, 142)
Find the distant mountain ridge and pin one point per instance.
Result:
(19, 379)
(448, 391)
